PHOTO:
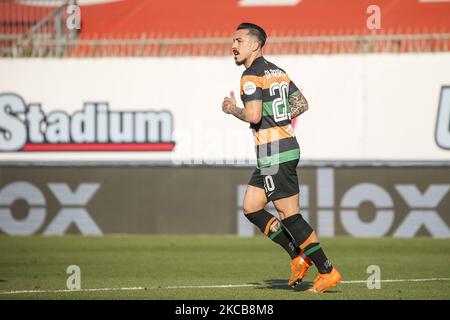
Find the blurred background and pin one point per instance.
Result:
(111, 121)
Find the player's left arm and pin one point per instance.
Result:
(251, 113)
(298, 104)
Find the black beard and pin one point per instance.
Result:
(239, 63)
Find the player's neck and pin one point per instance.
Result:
(252, 58)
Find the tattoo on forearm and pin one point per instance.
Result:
(238, 113)
(298, 104)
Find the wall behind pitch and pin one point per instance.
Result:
(352, 201)
(362, 107)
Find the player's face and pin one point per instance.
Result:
(242, 47)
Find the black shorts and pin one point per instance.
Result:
(278, 181)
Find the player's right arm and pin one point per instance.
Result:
(298, 104)
(297, 100)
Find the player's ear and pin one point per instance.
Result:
(255, 46)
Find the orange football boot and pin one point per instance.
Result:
(299, 266)
(325, 281)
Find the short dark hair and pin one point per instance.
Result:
(254, 30)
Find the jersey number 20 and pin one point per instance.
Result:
(279, 105)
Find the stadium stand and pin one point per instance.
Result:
(202, 27)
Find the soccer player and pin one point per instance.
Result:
(271, 100)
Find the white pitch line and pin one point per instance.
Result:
(398, 280)
(208, 286)
(68, 290)
(283, 285)
(215, 286)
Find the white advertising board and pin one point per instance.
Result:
(362, 107)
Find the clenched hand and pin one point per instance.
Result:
(229, 103)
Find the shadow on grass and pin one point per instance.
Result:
(281, 284)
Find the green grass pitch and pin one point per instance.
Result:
(214, 267)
